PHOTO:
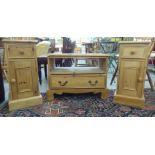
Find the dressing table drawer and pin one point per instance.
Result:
(77, 82)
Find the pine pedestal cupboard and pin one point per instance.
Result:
(82, 77)
(133, 60)
(22, 74)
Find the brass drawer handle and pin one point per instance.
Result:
(62, 84)
(93, 84)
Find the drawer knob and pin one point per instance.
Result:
(21, 52)
(93, 84)
(132, 52)
(62, 83)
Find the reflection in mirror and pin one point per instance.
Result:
(76, 62)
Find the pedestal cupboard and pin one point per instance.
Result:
(88, 73)
(22, 73)
(133, 60)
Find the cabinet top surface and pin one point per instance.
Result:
(19, 41)
(72, 55)
(134, 42)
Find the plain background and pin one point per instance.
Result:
(77, 18)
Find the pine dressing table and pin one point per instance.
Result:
(83, 79)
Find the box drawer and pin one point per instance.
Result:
(22, 51)
(77, 82)
(136, 51)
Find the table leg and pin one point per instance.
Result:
(150, 80)
(104, 93)
(114, 75)
(39, 73)
(50, 95)
(45, 70)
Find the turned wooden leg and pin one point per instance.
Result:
(104, 94)
(50, 95)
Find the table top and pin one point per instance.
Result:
(58, 54)
(76, 55)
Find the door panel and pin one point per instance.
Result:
(132, 77)
(23, 82)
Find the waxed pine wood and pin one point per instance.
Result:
(22, 74)
(133, 60)
(77, 79)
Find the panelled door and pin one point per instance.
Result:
(23, 79)
(132, 77)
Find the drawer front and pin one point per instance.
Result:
(77, 82)
(134, 51)
(21, 51)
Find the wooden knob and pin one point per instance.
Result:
(21, 52)
(132, 52)
(140, 80)
(13, 80)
